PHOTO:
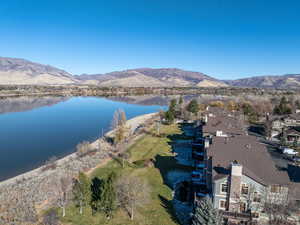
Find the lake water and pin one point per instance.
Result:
(34, 129)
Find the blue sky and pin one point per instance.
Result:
(226, 39)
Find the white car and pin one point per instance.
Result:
(289, 151)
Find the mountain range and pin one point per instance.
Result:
(147, 77)
(14, 71)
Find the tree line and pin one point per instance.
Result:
(252, 111)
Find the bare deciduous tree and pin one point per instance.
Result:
(161, 114)
(131, 192)
(83, 148)
(82, 191)
(122, 117)
(64, 190)
(124, 156)
(158, 125)
(278, 207)
(116, 120)
(119, 126)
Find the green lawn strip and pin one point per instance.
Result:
(158, 211)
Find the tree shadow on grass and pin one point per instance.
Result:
(175, 137)
(167, 204)
(166, 164)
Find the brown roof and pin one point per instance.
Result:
(295, 116)
(229, 125)
(293, 130)
(257, 162)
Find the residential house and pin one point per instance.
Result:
(243, 174)
(279, 124)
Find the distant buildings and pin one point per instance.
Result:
(285, 127)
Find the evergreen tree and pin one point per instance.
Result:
(96, 194)
(247, 109)
(180, 102)
(108, 195)
(297, 104)
(181, 107)
(283, 137)
(82, 191)
(206, 214)
(172, 106)
(193, 106)
(295, 143)
(104, 195)
(283, 107)
(169, 116)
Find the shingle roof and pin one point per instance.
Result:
(295, 116)
(229, 125)
(257, 162)
(293, 130)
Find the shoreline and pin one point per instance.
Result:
(133, 123)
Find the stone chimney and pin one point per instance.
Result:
(235, 186)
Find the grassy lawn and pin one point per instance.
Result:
(158, 211)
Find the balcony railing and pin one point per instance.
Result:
(238, 215)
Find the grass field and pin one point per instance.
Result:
(158, 211)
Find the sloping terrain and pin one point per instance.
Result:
(131, 79)
(282, 82)
(15, 71)
(147, 77)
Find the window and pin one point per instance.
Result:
(275, 188)
(222, 204)
(245, 189)
(256, 197)
(224, 188)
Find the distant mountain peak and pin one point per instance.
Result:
(152, 77)
(17, 71)
(268, 81)
(20, 71)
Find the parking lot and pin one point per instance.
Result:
(283, 163)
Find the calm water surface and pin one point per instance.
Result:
(33, 130)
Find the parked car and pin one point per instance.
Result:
(289, 151)
(296, 159)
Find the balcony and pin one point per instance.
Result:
(237, 215)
